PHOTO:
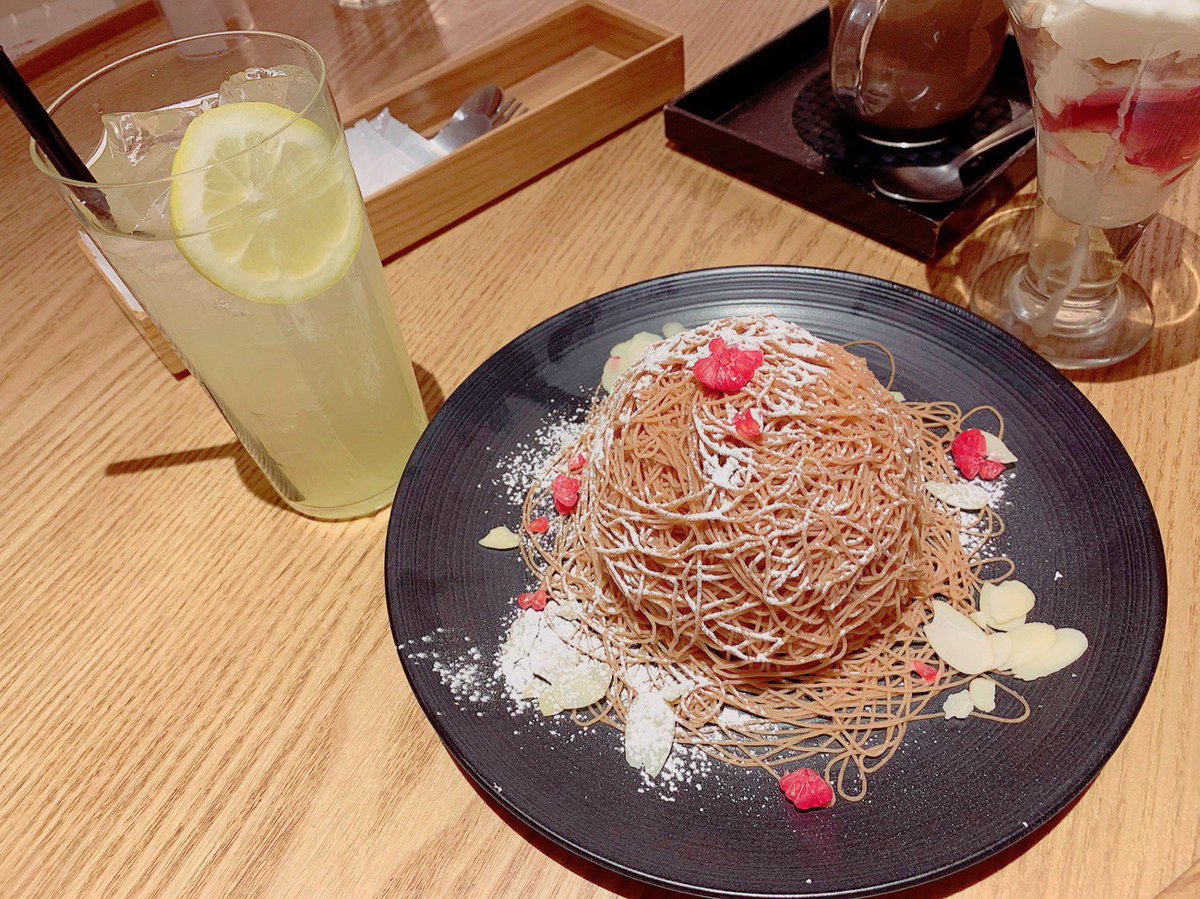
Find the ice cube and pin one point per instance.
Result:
(291, 87)
(140, 147)
(142, 139)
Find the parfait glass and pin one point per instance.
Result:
(1116, 91)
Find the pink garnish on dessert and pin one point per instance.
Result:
(806, 789)
(577, 462)
(746, 426)
(969, 449)
(727, 369)
(565, 491)
(989, 469)
(535, 600)
(926, 672)
(538, 526)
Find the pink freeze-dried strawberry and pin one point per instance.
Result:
(577, 462)
(927, 673)
(538, 526)
(806, 789)
(746, 426)
(969, 449)
(535, 600)
(727, 369)
(990, 469)
(565, 491)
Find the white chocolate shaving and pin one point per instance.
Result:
(958, 641)
(500, 538)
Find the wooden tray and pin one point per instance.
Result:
(583, 72)
(771, 119)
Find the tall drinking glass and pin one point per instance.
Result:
(227, 204)
(1116, 88)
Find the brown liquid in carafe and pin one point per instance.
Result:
(928, 61)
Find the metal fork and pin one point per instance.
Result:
(509, 110)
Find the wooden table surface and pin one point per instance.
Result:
(199, 694)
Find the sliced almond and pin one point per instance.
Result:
(897, 396)
(958, 641)
(581, 685)
(1001, 649)
(979, 618)
(958, 705)
(983, 694)
(969, 497)
(1069, 645)
(548, 703)
(670, 329)
(1009, 625)
(649, 732)
(566, 609)
(1008, 602)
(523, 633)
(1028, 642)
(500, 538)
(550, 654)
(996, 450)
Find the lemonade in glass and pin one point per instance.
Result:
(227, 204)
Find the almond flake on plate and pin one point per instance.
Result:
(1069, 645)
(958, 705)
(649, 732)
(1028, 642)
(958, 641)
(996, 450)
(581, 685)
(500, 538)
(968, 497)
(1007, 604)
(983, 694)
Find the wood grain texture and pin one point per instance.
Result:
(200, 696)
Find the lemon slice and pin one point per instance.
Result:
(280, 219)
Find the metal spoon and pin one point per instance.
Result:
(943, 183)
(484, 101)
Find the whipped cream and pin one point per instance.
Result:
(1116, 30)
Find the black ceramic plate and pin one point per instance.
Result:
(1081, 529)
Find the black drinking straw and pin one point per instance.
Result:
(49, 138)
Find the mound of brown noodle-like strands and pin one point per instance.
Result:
(785, 577)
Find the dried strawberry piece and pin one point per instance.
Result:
(806, 789)
(746, 426)
(727, 369)
(577, 462)
(969, 450)
(535, 600)
(565, 491)
(927, 673)
(538, 526)
(990, 469)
